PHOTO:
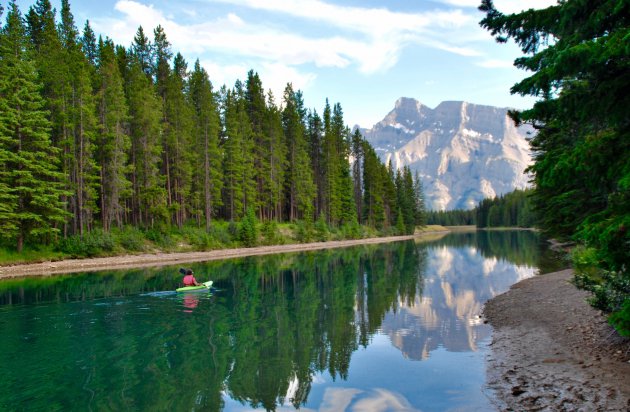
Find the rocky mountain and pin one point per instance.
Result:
(463, 152)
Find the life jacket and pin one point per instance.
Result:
(189, 280)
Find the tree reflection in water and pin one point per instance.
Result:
(276, 323)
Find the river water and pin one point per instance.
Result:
(373, 328)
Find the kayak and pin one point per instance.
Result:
(203, 287)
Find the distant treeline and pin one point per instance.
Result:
(513, 209)
(94, 135)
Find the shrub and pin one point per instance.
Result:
(95, 243)
(130, 239)
(221, 233)
(322, 232)
(304, 231)
(351, 230)
(271, 233)
(248, 230)
(160, 237)
(621, 320)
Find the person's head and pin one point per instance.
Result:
(189, 272)
(182, 271)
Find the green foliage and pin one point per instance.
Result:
(30, 182)
(117, 137)
(304, 231)
(322, 231)
(578, 55)
(161, 237)
(95, 243)
(271, 233)
(513, 209)
(452, 217)
(400, 224)
(248, 229)
(585, 261)
(30, 254)
(610, 289)
(621, 319)
(130, 239)
(351, 230)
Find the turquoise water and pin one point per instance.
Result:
(382, 327)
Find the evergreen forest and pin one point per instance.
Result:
(576, 53)
(104, 145)
(514, 209)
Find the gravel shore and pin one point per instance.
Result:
(163, 259)
(552, 351)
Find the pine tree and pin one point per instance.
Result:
(142, 50)
(81, 168)
(315, 141)
(233, 164)
(420, 208)
(373, 202)
(113, 137)
(178, 132)
(357, 163)
(207, 175)
(88, 43)
(30, 189)
(299, 182)
(272, 196)
(145, 110)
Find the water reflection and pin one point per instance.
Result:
(311, 330)
(457, 283)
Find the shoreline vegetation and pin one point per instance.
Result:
(162, 258)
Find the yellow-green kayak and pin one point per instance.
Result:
(203, 287)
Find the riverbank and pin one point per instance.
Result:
(163, 259)
(552, 351)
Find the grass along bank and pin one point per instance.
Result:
(221, 236)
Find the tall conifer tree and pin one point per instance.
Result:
(114, 142)
(145, 110)
(207, 172)
(30, 189)
(300, 186)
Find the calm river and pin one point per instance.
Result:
(374, 328)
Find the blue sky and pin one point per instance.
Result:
(362, 54)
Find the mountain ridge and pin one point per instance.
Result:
(462, 151)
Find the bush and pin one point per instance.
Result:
(233, 229)
(621, 320)
(221, 233)
(248, 230)
(351, 230)
(161, 238)
(271, 233)
(322, 232)
(95, 243)
(130, 239)
(199, 238)
(304, 231)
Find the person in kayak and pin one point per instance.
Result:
(189, 279)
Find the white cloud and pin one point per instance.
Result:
(505, 6)
(495, 64)
(370, 38)
(275, 76)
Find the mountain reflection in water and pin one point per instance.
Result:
(456, 285)
(330, 329)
